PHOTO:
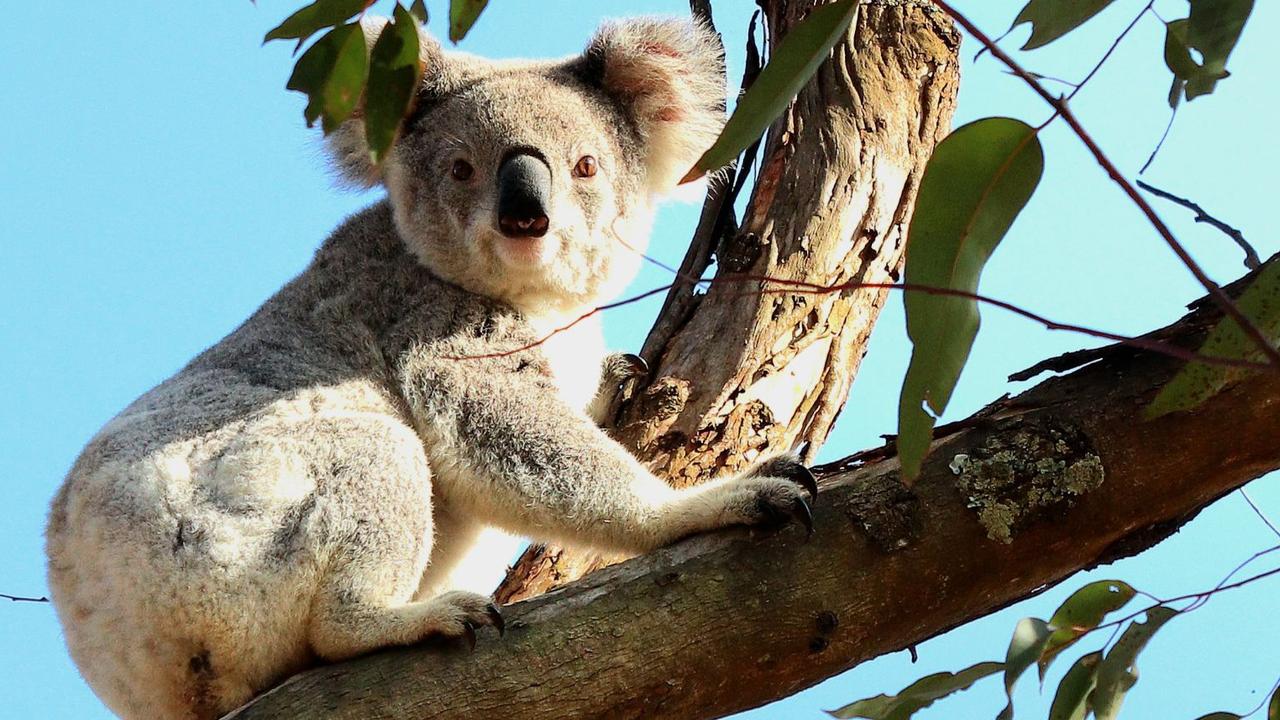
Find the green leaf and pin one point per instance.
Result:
(1197, 382)
(797, 58)
(1071, 702)
(1212, 29)
(1221, 716)
(462, 15)
(1273, 707)
(316, 17)
(332, 74)
(394, 71)
(977, 182)
(1029, 639)
(1051, 19)
(1082, 612)
(419, 10)
(1117, 672)
(918, 695)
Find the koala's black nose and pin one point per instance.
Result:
(524, 191)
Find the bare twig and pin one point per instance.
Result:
(1173, 115)
(1258, 511)
(23, 598)
(1251, 259)
(1060, 106)
(1119, 38)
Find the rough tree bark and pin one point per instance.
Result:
(738, 373)
(1033, 488)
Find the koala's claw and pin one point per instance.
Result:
(495, 617)
(775, 516)
(469, 634)
(789, 468)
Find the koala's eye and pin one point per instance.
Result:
(585, 168)
(461, 170)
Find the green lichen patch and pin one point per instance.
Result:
(1024, 469)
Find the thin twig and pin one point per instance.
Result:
(1258, 511)
(1132, 24)
(1173, 115)
(1251, 259)
(23, 598)
(1060, 106)
(808, 288)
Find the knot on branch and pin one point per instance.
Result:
(1024, 469)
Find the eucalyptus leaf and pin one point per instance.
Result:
(1221, 715)
(462, 15)
(1071, 702)
(1083, 611)
(1273, 707)
(1051, 19)
(918, 695)
(979, 179)
(1197, 382)
(316, 17)
(1029, 639)
(795, 60)
(332, 74)
(419, 10)
(1118, 671)
(394, 71)
(1212, 29)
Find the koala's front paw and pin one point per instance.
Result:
(621, 367)
(769, 503)
(459, 613)
(788, 467)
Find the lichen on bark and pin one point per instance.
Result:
(1023, 471)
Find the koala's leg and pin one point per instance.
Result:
(519, 458)
(379, 548)
(616, 370)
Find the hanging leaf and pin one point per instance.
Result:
(1212, 29)
(332, 73)
(1082, 612)
(419, 10)
(979, 179)
(1071, 702)
(1051, 19)
(1029, 639)
(394, 71)
(1273, 707)
(918, 695)
(1117, 672)
(1221, 716)
(796, 59)
(316, 17)
(462, 15)
(1197, 382)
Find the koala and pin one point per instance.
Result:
(307, 489)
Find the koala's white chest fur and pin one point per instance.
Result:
(575, 355)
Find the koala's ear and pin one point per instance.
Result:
(668, 75)
(347, 147)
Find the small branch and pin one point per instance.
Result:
(23, 598)
(1251, 259)
(1220, 298)
(1258, 511)
(1120, 38)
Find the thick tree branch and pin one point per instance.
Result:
(1032, 489)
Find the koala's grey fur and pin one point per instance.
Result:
(305, 489)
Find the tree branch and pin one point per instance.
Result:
(1033, 488)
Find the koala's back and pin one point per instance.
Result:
(186, 543)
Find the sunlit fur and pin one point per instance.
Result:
(312, 487)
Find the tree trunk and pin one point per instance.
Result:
(1063, 477)
(737, 372)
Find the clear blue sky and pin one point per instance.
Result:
(159, 183)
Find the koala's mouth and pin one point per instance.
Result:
(525, 252)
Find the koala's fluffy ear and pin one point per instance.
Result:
(668, 74)
(346, 145)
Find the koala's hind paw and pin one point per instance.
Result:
(460, 613)
(790, 468)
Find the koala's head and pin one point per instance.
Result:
(534, 182)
